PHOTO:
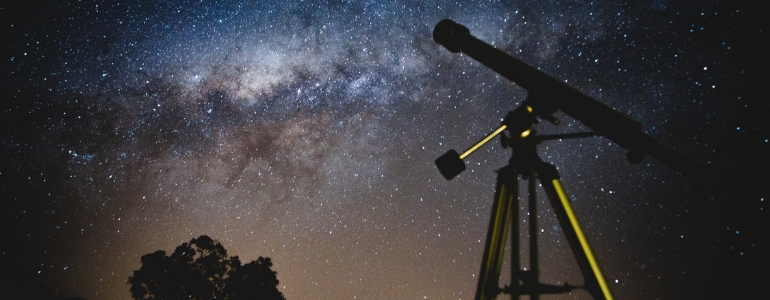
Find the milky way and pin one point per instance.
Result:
(307, 131)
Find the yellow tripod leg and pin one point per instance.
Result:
(506, 193)
(575, 235)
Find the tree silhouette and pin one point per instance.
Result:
(201, 269)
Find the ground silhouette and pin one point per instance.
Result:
(201, 269)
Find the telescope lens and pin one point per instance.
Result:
(445, 31)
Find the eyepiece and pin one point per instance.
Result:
(445, 33)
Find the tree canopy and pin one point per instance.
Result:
(201, 269)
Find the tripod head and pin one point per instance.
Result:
(519, 123)
(546, 96)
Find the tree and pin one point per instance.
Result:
(201, 269)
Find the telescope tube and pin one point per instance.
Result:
(553, 93)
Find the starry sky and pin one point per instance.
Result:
(306, 131)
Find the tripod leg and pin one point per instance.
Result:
(594, 280)
(533, 255)
(507, 191)
(515, 289)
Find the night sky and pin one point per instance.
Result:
(307, 132)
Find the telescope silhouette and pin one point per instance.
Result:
(547, 95)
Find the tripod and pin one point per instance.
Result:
(524, 161)
(527, 163)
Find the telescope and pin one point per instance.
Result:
(546, 95)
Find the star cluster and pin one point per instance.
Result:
(307, 132)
